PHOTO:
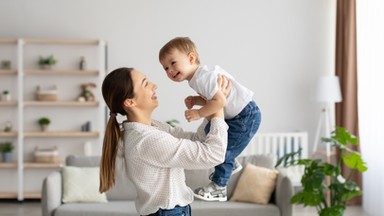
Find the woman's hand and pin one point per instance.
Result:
(225, 86)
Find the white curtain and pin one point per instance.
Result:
(370, 61)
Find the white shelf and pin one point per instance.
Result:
(60, 72)
(8, 72)
(9, 165)
(26, 76)
(34, 165)
(31, 165)
(8, 103)
(62, 41)
(32, 195)
(8, 41)
(47, 134)
(11, 134)
(8, 195)
(61, 103)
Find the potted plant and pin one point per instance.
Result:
(47, 63)
(7, 126)
(6, 96)
(6, 151)
(44, 122)
(341, 188)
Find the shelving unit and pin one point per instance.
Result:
(8, 110)
(67, 114)
(61, 134)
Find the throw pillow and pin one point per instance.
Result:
(256, 185)
(81, 184)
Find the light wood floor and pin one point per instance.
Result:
(32, 208)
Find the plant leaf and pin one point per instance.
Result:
(288, 159)
(307, 198)
(337, 210)
(343, 136)
(353, 160)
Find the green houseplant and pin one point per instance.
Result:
(44, 122)
(47, 62)
(6, 149)
(314, 187)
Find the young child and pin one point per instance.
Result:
(180, 60)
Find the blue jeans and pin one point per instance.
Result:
(241, 130)
(177, 211)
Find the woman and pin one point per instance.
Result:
(155, 153)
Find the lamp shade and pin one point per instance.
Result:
(328, 89)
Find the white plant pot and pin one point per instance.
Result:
(5, 97)
(44, 127)
(46, 67)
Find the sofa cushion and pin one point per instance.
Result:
(123, 188)
(203, 208)
(115, 208)
(255, 184)
(81, 184)
(198, 178)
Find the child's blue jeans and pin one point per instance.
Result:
(177, 211)
(241, 130)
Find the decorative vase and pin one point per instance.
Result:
(46, 67)
(44, 127)
(83, 63)
(6, 97)
(7, 157)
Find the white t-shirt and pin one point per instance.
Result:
(156, 156)
(204, 82)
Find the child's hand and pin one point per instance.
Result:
(192, 114)
(189, 103)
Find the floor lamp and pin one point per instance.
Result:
(327, 92)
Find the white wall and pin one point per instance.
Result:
(276, 48)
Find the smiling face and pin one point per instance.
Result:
(145, 92)
(178, 65)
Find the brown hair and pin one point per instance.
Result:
(183, 44)
(117, 86)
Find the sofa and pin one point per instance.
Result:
(120, 199)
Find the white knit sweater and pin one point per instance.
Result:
(156, 156)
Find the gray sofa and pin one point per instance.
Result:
(121, 197)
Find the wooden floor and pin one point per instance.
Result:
(33, 208)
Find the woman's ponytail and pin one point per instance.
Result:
(108, 159)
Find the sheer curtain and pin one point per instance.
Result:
(370, 56)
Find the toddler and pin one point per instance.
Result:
(180, 60)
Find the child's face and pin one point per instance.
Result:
(179, 66)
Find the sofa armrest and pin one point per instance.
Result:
(51, 193)
(284, 192)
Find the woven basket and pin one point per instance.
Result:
(46, 155)
(47, 95)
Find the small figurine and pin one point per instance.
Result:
(6, 65)
(83, 63)
(87, 92)
(86, 126)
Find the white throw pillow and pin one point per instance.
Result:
(81, 184)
